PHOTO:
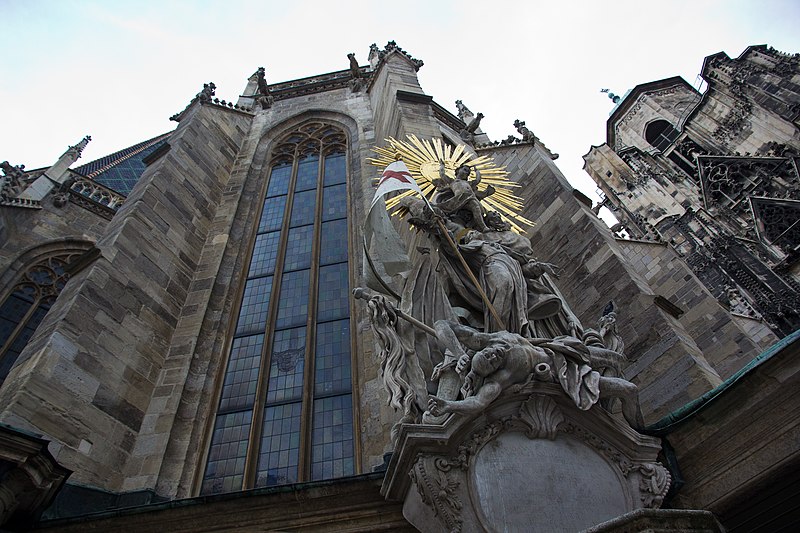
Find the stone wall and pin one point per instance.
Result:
(670, 368)
(26, 229)
(87, 377)
(727, 344)
(738, 454)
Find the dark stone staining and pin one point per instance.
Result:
(108, 401)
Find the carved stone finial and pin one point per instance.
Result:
(391, 46)
(375, 56)
(77, 150)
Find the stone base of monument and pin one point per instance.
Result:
(661, 520)
(532, 461)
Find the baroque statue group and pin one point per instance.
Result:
(475, 313)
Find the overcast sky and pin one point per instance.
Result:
(118, 70)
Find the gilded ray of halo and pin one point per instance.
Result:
(422, 157)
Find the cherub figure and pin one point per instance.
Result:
(460, 193)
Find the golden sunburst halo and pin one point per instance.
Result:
(422, 157)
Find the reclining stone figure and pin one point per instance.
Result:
(502, 359)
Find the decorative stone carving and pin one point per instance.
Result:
(437, 487)
(11, 181)
(29, 478)
(97, 193)
(62, 194)
(542, 416)
(517, 466)
(391, 46)
(468, 133)
(654, 484)
(463, 111)
(357, 81)
(209, 89)
(527, 135)
(263, 97)
(524, 375)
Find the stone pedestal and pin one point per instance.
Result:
(532, 461)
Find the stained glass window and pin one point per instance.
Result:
(291, 369)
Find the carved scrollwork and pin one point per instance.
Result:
(654, 484)
(625, 465)
(474, 443)
(438, 486)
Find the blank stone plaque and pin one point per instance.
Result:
(521, 484)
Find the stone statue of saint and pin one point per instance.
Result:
(460, 193)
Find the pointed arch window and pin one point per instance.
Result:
(286, 408)
(27, 304)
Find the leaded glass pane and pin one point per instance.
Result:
(333, 242)
(226, 457)
(305, 203)
(286, 365)
(272, 215)
(22, 338)
(332, 368)
(293, 302)
(334, 202)
(255, 306)
(335, 172)
(265, 252)
(298, 248)
(332, 438)
(280, 445)
(14, 309)
(334, 293)
(241, 377)
(279, 180)
(307, 174)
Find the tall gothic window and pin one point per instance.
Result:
(285, 412)
(27, 304)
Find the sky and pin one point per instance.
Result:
(118, 70)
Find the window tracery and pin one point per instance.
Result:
(27, 304)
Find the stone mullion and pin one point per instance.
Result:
(354, 385)
(304, 465)
(256, 424)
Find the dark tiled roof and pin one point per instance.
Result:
(121, 170)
